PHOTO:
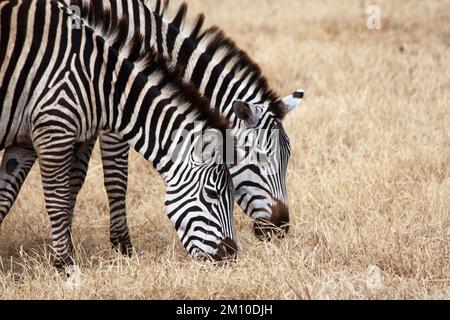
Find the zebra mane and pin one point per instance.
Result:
(146, 60)
(214, 41)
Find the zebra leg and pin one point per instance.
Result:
(115, 169)
(16, 164)
(80, 165)
(55, 161)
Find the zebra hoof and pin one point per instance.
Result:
(73, 274)
(63, 264)
(123, 246)
(276, 227)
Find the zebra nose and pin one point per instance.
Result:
(276, 226)
(227, 250)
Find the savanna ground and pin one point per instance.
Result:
(369, 177)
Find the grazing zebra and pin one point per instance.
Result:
(233, 82)
(237, 88)
(60, 86)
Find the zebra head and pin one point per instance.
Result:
(200, 198)
(259, 176)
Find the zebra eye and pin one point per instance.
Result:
(212, 194)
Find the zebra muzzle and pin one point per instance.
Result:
(227, 250)
(275, 227)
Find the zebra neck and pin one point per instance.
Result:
(147, 114)
(213, 75)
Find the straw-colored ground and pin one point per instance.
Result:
(369, 179)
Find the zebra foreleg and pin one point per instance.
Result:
(16, 164)
(55, 162)
(115, 169)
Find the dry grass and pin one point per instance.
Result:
(369, 178)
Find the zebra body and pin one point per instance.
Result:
(226, 75)
(57, 95)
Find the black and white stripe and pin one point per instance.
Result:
(233, 82)
(60, 86)
(229, 78)
(236, 87)
(226, 75)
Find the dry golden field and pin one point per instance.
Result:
(369, 178)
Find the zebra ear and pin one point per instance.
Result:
(294, 100)
(244, 112)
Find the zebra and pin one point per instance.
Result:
(234, 83)
(60, 86)
(236, 87)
